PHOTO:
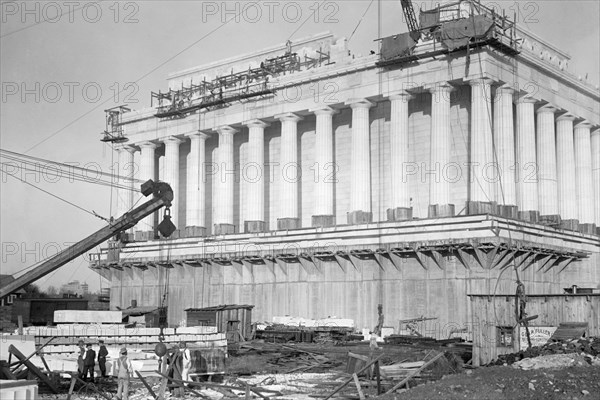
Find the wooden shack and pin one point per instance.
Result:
(494, 330)
(40, 311)
(227, 318)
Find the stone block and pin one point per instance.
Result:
(224, 229)
(508, 211)
(550, 220)
(440, 210)
(481, 207)
(195, 231)
(399, 214)
(588, 229)
(529, 216)
(285, 224)
(323, 221)
(569, 224)
(359, 217)
(255, 226)
(139, 236)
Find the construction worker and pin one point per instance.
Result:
(80, 358)
(102, 353)
(123, 371)
(186, 362)
(89, 362)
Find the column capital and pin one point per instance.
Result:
(288, 117)
(402, 95)
(197, 135)
(323, 110)
(226, 130)
(506, 89)
(256, 123)
(585, 124)
(171, 139)
(566, 117)
(125, 147)
(548, 108)
(147, 145)
(359, 103)
(480, 81)
(596, 132)
(525, 99)
(437, 87)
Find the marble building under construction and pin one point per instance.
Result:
(313, 182)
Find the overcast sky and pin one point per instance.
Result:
(95, 50)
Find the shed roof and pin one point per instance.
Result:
(223, 307)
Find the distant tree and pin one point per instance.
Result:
(51, 291)
(33, 291)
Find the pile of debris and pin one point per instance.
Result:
(588, 347)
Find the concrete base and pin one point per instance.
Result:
(195, 231)
(550, 220)
(508, 211)
(481, 207)
(440, 210)
(286, 224)
(224, 229)
(323, 221)
(399, 214)
(144, 236)
(529, 216)
(255, 226)
(588, 229)
(570, 224)
(359, 217)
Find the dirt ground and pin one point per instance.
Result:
(443, 382)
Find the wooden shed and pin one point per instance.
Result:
(227, 318)
(494, 331)
(40, 311)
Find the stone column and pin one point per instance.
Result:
(441, 143)
(565, 161)
(254, 177)
(171, 176)
(583, 175)
(596, 175)
(223, 219)
(196, 186)
(483, 167)
(323, 209)
(360, 167)
(145, 229)
(401, 209)
(527, 180)
(125, 170)
(504, 136)
(546, 158)
(290, 173)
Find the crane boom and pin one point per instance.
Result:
(409, 14)
(162, 196)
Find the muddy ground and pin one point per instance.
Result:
(445, 381)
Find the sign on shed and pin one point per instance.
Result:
(540, 335)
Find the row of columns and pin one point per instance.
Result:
(549, 174)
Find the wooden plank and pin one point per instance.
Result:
(32, 368)
(415, 372)
(146, 384)
(73, 381)
(34, 353)
(343, 385)
(361, 395)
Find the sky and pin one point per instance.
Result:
(63, 62)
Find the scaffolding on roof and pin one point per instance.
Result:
(235, 86)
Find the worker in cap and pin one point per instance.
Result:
(89, 362)
(102, 353)
(124, 372)
(186, 362)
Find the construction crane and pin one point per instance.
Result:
(411, 19)
(162, 196)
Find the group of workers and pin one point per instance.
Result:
(123, 369)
